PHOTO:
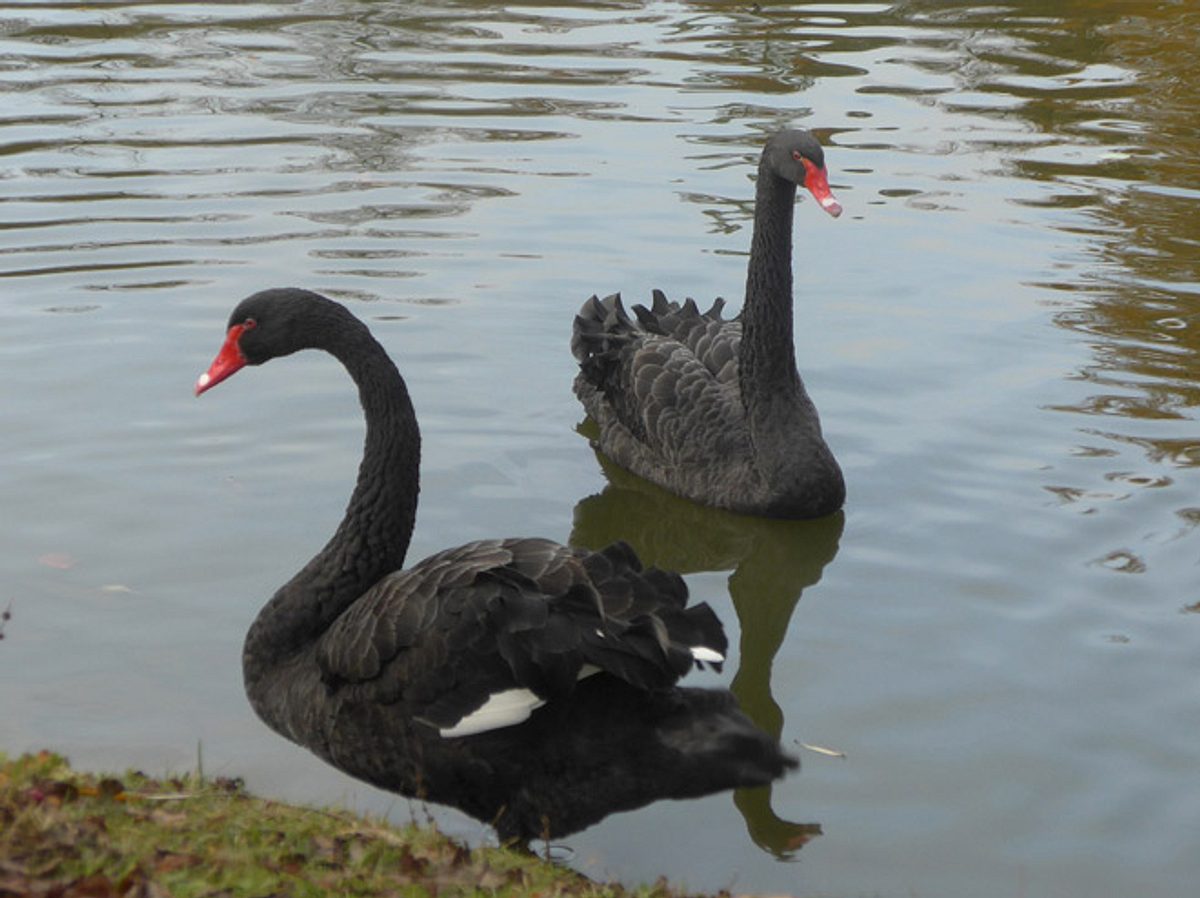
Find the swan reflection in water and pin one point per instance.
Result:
(772, 561)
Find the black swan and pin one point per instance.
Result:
(529, 684)
(714, 409)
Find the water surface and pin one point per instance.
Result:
(1000, 630)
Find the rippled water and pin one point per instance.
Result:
(1001, 333)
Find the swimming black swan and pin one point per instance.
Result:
(714, 409)
(529, 684)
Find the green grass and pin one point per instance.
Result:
(69, 834)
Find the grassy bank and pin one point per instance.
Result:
(68, 834)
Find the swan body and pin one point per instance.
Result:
(713, 408)
(530, 684)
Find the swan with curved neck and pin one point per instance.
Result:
(529, 684)
(713, 409)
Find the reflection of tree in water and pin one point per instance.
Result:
(1093, 104)
(1135, 192)
(1093, 101)
(1111, 133)
(772, 563)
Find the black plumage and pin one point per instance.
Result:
(713, 409)
(392, 674)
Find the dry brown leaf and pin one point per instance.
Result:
(170, 861)
(95, 886)
(169, 818)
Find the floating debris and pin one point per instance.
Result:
(822, 750)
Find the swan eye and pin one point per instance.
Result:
(797, 155)
(249, 324)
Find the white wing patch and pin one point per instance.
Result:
(502, 709)
(704, 653)
(512, 706)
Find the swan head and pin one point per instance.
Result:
(269, 324)
(797, 156)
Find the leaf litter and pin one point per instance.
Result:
(68, 834)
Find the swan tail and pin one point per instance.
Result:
(717, 745)
(602, 328)
(632, 749)
(647, 633)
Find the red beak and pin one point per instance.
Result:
(817, 183)
(227, 363)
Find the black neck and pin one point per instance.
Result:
(784, 428)
(374, 534)
(768, 357)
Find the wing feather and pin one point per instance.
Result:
(667, 380)
(451, 635)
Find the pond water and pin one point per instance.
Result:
(1002, 334)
